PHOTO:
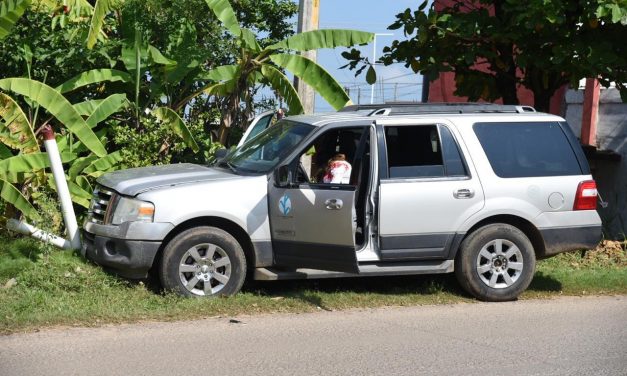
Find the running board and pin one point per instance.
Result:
(367, 270)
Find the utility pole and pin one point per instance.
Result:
(374, 59)
(308, 19)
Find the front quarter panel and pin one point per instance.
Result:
(242, 201)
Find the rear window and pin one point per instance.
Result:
(518, 150)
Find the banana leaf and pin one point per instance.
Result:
(78, 194)
(58, 106)
(172, 120)
(315, 76)
(284, 87)
(222, 73)
(101, 8)
(83, 182)
(250, 40)
(324, 38)
(10, 13)
(30, 162)
(88, 107)
(15, 129)
(103, 164)
(13, 196)
(224, 12)
(93, 76)
(5, 152)
(79, 165)
(106, 108)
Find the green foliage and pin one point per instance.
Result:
(92, 77)
(101, 8)
(237, 82)
(172, 120)
(105, 108)
(57, 106)
(10, 194)
(149, 145)
(10, 12)
(225, 14)
(315, 76)
(144, 60)
(283, 86)
(15, 129)
(552, 43)
(48, 54)
(325, 38)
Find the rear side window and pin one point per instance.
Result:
(422, 151)
(518, 150)
(260, 126)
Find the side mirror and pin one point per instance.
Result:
(282, 176)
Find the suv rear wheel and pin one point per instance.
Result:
(203, 261)
(495, 263)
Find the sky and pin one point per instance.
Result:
(394, 81)
(373, 16)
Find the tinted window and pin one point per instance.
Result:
(260, 126)
(414, 151)
(452, 157)
(527, 149)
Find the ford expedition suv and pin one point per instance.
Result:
(479, 190)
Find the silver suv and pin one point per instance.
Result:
(479, 190)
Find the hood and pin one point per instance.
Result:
(134, 181)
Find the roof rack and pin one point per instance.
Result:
(411, 108)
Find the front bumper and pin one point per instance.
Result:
(127, 258)
(128, 250)
(566, 239)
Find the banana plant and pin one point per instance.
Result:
(101, 8)
(257, 65)
(86, 156)
(10, 13)
(137, 60)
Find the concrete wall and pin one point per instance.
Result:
(611, 176)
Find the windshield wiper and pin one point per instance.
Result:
(229, 165)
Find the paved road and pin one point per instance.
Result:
(567, 336)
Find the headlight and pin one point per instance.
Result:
(128, 209)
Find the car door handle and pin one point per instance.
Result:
(334, 204)
(464, 193)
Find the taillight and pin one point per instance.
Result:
(586, 198)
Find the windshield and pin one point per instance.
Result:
(262, 153)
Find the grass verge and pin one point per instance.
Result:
(60, 288)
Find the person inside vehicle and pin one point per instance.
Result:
(338, 170)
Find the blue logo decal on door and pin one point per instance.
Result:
(285, 204)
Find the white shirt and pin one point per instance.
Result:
(339, 172)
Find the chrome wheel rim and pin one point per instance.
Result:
(205, 269)
(499, 263)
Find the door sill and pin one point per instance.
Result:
(367, 270)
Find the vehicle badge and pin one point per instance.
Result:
(285, 204)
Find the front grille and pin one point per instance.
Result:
(99, 205)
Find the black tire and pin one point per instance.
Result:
(203, 261)
(490, 274)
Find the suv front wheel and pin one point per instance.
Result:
(495, 263)
(203, 261)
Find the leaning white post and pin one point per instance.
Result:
(62, 188)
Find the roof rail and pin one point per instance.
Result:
(410, 108)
